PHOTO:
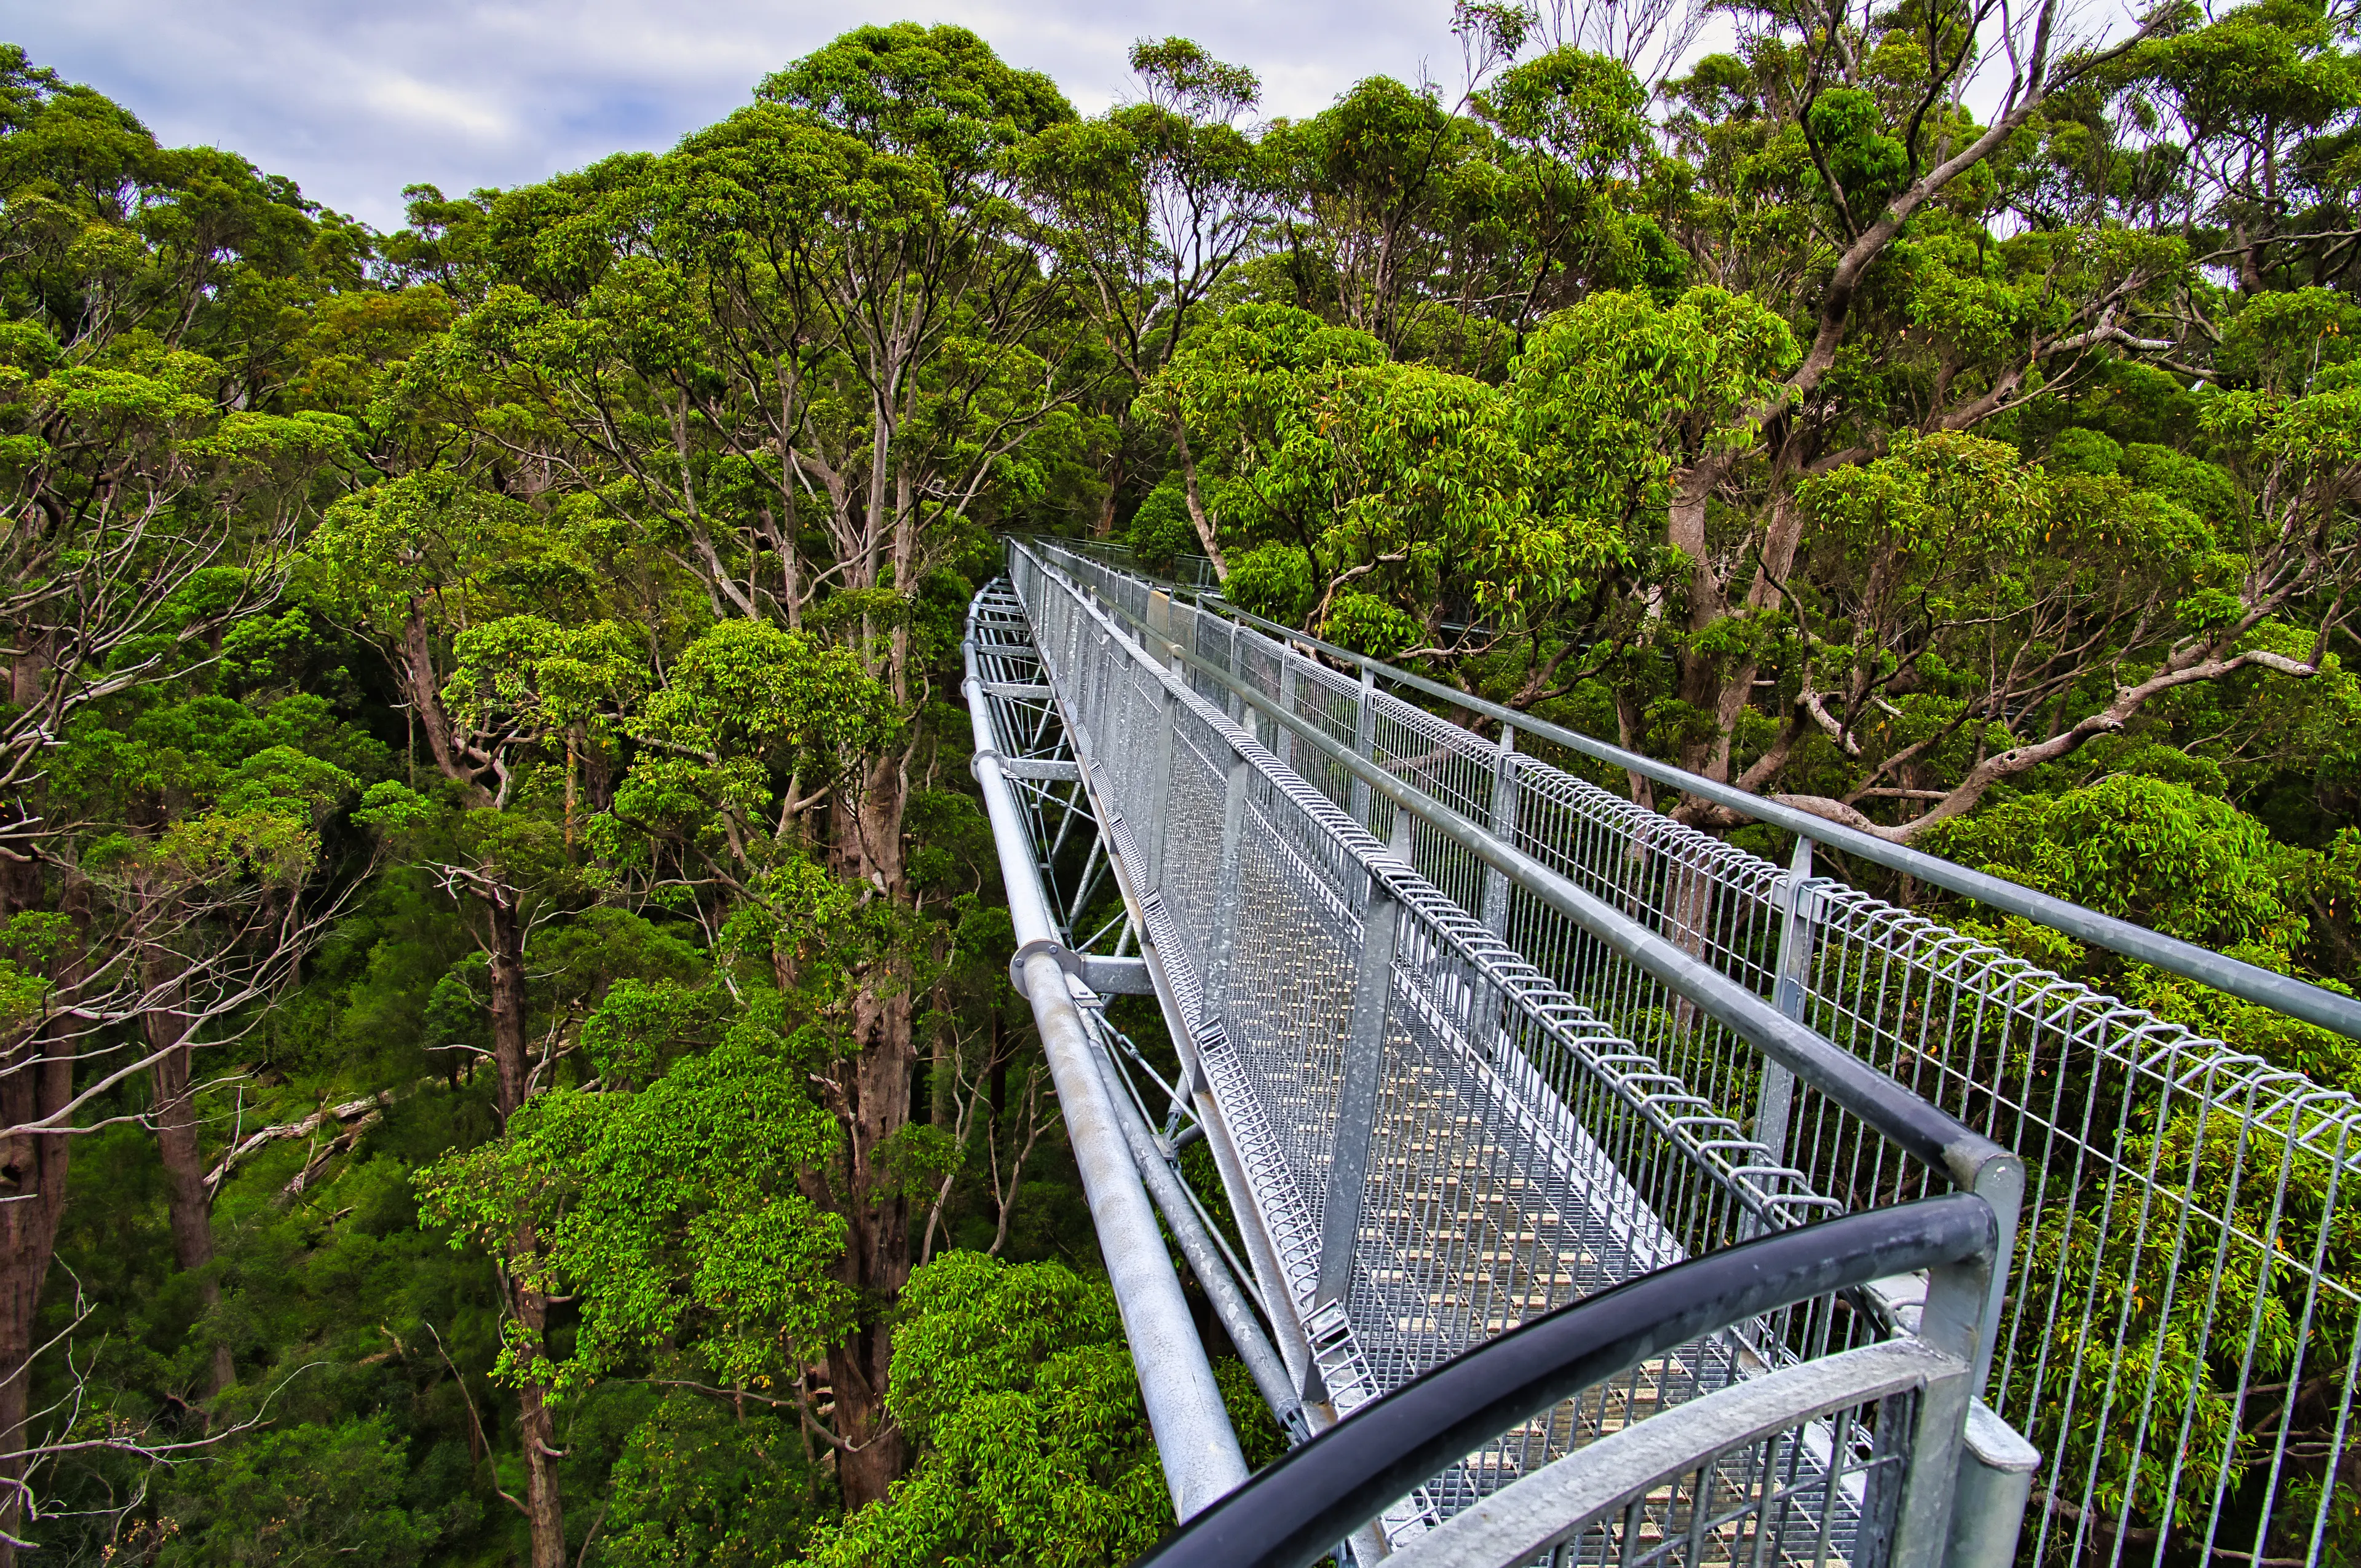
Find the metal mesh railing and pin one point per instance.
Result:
(1841, 1459)
(1755, 1476)
(1477, 1139)
(2181, 1334)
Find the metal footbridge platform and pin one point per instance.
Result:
(1588, 1189)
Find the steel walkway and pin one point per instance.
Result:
(1472, 1043)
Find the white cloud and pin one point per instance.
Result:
(407, 98)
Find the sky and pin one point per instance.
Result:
(356, 99)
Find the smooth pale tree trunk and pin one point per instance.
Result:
(1198, 516)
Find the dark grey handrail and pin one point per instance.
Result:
(2250, 982)
(1293, 1511)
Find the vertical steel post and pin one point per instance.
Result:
(1357, 1096)
(1504, 826)
(1797, 913)
(1487, 1029)
(1232, 703)
(1958, 1318)
(1929, 1475)
(1994, 1488)
(2001, 1183)
(1365, 739)
(1160, 786)
(1285, 738)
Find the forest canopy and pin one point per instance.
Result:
(506, 1050)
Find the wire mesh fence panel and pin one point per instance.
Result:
(2181, 1334)
(2191, 1256)
(1795, 1499)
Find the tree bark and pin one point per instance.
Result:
(1700, 683)
(504, 953)
(1105, 526)
(426, 695)
(185, 1194)
(1198, 517)
(35, 1081)
(872, 1092)
(545, 1503)
(503, 939)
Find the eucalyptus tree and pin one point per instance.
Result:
(1378, 497)
(1154, 202)
(447, 578)
(1931, 623)
(1773, 431)
(806, 353)
(151, 897)
(2250, 121)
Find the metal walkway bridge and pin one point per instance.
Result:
(1642, 1201)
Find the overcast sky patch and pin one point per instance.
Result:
(356, 101)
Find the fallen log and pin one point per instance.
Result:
(319, 1160)
(364, 1112)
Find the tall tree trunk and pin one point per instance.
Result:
(545, 1504)
(504, 958)
(184, 1170)
(1115, 489)
(425, 693)
(1775, 559)
(35, 1081)
(873, 1086)
(1198, 517)
(504, 953)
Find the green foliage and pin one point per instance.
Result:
(700, 1486)
(2189, 864)
(1033, 1444)
(1615, 393)
(1161, 529)
(1868, 166)
(2164, 1318)
(672, 1215)
(308, 1494)
(561, 599)
(1339, 465)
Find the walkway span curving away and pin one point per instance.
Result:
(1474, 1043)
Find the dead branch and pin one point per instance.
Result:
(365, 1110)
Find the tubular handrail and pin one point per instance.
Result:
(1293, 1512)
(1564, 1499)
(2283, 993)
(1185, 1409)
